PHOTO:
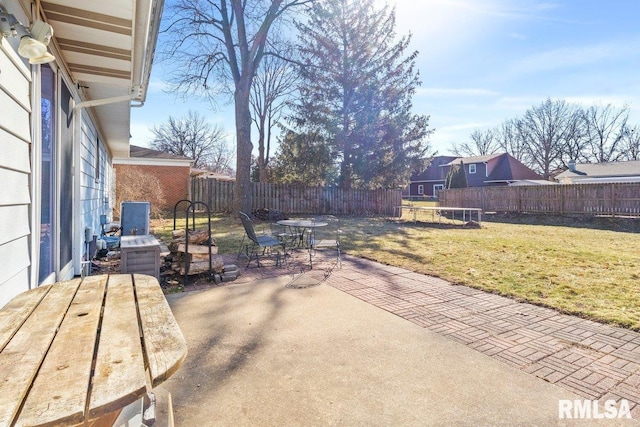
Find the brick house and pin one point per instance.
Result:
(172, 171)
(493, 169)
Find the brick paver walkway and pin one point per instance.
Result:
(594, 361)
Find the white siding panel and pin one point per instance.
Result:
(14, 256)
(13, 117)
(90, 193)
(15, 153)
(15, 188)
(14, 222)
(9, 76)
(15, 169)
(13, 286)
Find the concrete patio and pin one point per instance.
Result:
(376, 345)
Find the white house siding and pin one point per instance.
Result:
(15, 173)
(20, 181)
(94, 193)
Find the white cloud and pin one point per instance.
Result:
(436, 91)
(576, 56)
(518, 36)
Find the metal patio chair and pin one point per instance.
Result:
(259, 242)
(287, 235)
(326, 237)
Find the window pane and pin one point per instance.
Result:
(66, 178)
(47, 182)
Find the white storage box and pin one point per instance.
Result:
(140, 254)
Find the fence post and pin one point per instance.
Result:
(613, 200)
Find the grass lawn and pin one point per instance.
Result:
(589, 267)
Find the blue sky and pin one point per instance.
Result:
(484, 61)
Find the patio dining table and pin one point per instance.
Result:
(82, 351)
(303, 227)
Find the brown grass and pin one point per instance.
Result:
(584, 266)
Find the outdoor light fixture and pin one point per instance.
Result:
(33, 41)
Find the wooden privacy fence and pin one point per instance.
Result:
(297, 199)
(588, 199)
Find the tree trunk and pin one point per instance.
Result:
(242, 196)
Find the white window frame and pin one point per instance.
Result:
(472, 168)
(420, 189)
(437, 187)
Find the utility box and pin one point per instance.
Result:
(134, 218)
(140, 254)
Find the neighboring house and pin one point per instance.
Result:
(587, 173)
(490, 170)
(61, 123)
(206, 174)
(170, 170)
(429, 181)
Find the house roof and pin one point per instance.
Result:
(203, 173)
(523, 182)
(505, 167)
(107, 47)
(148, 157)
(148, 153)
(612, 169)
(473, 159)
(434, 172)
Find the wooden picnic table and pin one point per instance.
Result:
(79, 351)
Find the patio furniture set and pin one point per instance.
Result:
(287, 235)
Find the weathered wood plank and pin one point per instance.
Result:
(52, 401)
(197, 249)
(22, 356)
(119, 376)
(16, 312)
(165, 346)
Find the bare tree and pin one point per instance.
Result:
(218, 43)
(510, 140)
(193, 137)
(482, 143)
(545, 130)
(273, 83)
(630, 144)
(605, 126)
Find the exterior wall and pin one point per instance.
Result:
(15, 173)
(173, 179)
(21, 173)
(428, 188)
(476, 179)
(95, 183)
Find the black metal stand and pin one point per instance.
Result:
(191, 207)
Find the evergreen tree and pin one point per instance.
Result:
(457, 177)
(356, 90)
(302, 159)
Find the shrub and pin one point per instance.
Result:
(135, 185)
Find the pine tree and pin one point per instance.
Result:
(456, 177)
(356, 90)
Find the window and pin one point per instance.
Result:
(420, 189)
(436, 188)
(56, 162)
(472, 168)
(97, 165)
(48, 172)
